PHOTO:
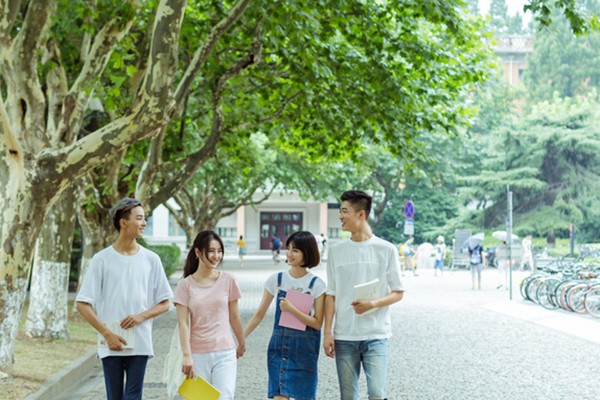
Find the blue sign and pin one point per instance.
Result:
(409, 209)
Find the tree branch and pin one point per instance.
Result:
(201, 55)
(151, 166)
(8, 141)
(77, 99)
(194, 161)
(9, 9)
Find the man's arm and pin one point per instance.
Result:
(328, 343)
(132, 320)
(362, 306)
(113, 341)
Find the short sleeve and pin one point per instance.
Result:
(393, 272)
(330, 274)
(234, 289)
(319, 288)
(182, 293)
(92, 283)
(162, 288)
(271, 284)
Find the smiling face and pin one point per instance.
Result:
(295, 257)
(350, 218)
(134, 225)
(213, 255)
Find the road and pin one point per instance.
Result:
(450, 342)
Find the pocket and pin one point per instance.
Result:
(274, 348)
(307, 352)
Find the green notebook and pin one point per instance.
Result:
(198, 389)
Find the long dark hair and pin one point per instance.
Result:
(202, 243)
(307, 244)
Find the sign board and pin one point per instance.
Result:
(409, 227)
(409, 209)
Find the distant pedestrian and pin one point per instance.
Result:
(293, 354)
(127, 286)
(275, 248)
(241, 244)
(207, 312)
(477, 262)
(527, 254)
(440, 255)
(408, 253)
(356, 329)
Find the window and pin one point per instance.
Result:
(334, 233)
(227, 232)
(521, 71)
(149, 230)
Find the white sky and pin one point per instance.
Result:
(514, 6)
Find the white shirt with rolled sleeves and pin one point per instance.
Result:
(352, 263)
(118, 286)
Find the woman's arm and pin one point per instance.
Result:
(236, 324)
(316, 321)
(260, 313)
(183, 317)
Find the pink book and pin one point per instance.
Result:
(302, 302)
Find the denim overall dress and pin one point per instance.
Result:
(293, 356)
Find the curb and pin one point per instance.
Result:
(67, 378)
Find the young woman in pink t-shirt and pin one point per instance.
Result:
(207, 305)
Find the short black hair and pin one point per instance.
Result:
(307, 244)
(359, 200)
(123, 210)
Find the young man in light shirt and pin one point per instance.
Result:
(125, 283)
(359, 335)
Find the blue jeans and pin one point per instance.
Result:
(115, 368)
(373, 355)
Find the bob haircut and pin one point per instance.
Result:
(202, 243)
(122, 210)
(360, 200)
(307, 244)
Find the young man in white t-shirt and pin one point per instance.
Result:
(125, 284)
(362, 327)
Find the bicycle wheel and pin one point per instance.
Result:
(525, 283)
(545, 293)
(532, 289)
(575, 297)
(560, 293)
(592, 301)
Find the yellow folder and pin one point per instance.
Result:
(198, 389)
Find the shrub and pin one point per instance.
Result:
(169, 255)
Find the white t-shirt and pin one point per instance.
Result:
(352, 263)
(118, 286)
(288, 282)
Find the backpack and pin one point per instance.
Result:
(476, 255)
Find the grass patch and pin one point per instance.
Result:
(37, 359)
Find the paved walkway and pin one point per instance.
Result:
(449, 342)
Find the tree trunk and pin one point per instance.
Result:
(21, 219)
(97, 233)
(48, 310)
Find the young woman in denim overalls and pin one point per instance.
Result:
(293, 354)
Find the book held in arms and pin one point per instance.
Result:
(197, 388)
(302, 302)
(127, 334)
(367, 291)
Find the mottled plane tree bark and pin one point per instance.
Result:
(34, 170)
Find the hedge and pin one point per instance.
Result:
(169, 255)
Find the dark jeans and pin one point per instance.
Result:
(115, 369)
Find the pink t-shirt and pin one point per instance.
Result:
(209, 311)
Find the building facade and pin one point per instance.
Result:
(281, 215)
